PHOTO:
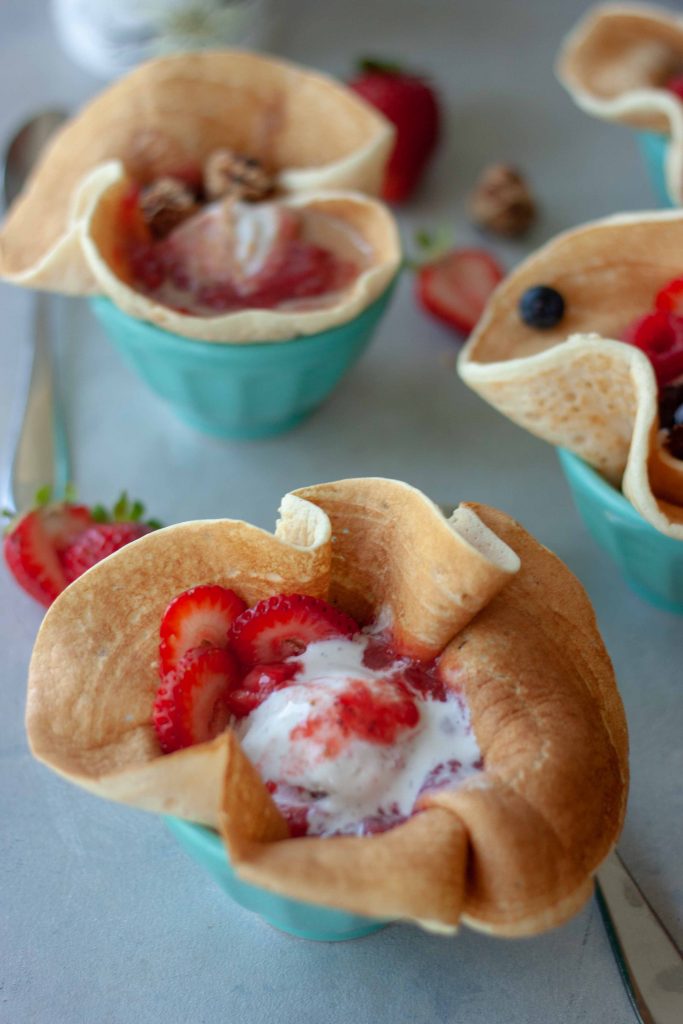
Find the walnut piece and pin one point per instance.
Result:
(241, 177)
(501, 201)
(165, 203)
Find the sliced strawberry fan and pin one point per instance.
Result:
(219, 659)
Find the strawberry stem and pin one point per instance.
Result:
(429, 246)
(43, 495)
(380, 66)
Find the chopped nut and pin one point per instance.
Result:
(165, 203)
(240, 177)
(501, 201)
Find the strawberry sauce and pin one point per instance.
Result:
(227, 258)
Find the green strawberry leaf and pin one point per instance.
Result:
(380, 66)
(43, 496)
(429, 246)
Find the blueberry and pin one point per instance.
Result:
(541, 306)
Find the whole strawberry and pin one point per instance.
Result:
(50, 546)
(410, 103)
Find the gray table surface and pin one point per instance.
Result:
(102, 917)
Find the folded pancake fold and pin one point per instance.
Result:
(394, 554)
(575, 385)
(165, 118)
(554, 744)
(414, 871)
(616, 63)
(512, 850)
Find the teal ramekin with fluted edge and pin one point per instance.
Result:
(651, 562)
(653, 148)
(240, 391)
(305, 920)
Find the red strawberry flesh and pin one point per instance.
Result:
(98, 542)
(259, 683)
(456, 287)
(675, 85)
(411, 104)
(199, 617)
(34, 548)
(284, 625)
(660, 336)
(191, 704)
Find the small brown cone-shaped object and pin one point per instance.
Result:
(501, 201)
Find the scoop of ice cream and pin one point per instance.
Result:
(353, 743)
(231, 241)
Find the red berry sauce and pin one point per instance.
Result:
(300, 271)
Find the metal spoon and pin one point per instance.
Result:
(38, 453)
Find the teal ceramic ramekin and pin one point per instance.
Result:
(240, 391)
(653, 148)
(651, 562)
(305, 920)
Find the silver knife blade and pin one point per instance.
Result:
(649, 960)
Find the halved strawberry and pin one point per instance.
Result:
(199, 617)
(35, 543)
(96, 543)
(456, 287)
(191, 702)
(259, 683)
(283, 625)
(54, 543)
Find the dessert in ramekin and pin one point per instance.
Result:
(218, 198)
(624, 63)
(447, 745)
(583, 346)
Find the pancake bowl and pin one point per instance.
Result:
(615, 64)
(510, 850)
(574, 384)
(318, 151)
(164, 118)
(253, 372)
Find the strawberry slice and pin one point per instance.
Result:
(456, 287)
(199, 617)
(284, 625)
(258, 684)
(35, 543)
(191, 702)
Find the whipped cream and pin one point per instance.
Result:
(298, 741)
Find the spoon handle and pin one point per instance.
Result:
(39, 451)
(649, 961)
